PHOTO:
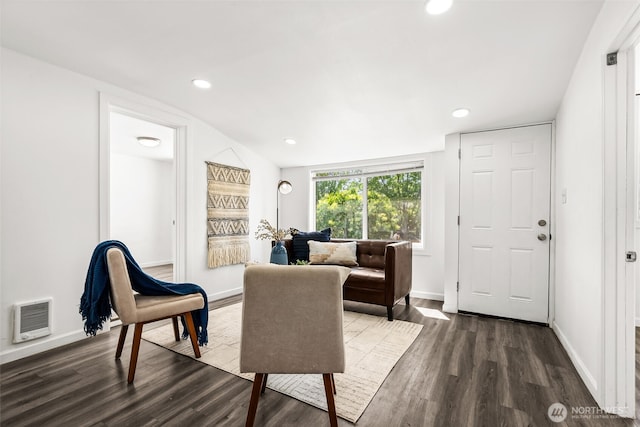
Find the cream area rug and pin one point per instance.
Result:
(373, 346)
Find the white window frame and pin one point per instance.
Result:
(379, 167)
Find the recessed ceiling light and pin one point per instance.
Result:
(202, 84)
(460, 112)
(436, 7)
(290, 141)
(148, 141)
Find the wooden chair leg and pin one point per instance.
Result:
(123, 335)
(176, 331)
(255, 396)
(406, 299)
(390, 313)
(331, 404)
(333, 385)
(264, 384)
(192, 333)
(135, 348)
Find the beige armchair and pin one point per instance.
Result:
(292, 324)
(140, 309)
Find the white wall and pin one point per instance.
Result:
(579, 221)
(637, 180)
(142, 206)
(216, 147)
(428, 265)
(49, 169)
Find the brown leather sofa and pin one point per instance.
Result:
(383, 274)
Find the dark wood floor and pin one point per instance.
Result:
(464, 371)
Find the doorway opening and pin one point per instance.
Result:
(142, 188)
(142, 191)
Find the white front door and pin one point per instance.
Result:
(504, 222)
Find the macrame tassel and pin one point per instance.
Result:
(220, 255)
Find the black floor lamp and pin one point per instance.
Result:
(284, 187)
(279, 252)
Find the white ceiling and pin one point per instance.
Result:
(124, 131)
(349, 80)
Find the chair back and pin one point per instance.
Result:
(292, 319)
(122, 298)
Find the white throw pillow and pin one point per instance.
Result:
(332, 253)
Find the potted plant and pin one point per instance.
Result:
(266, 231)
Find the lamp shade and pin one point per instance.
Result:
(284, 187)
(436, 7)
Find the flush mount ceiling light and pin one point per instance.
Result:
(202, 84)
(460, 112)
(148, 141)
(436, 7)
(290, 141)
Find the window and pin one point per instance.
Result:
(380, 202)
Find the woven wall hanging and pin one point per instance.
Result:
(227, 214)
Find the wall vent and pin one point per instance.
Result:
(32, 320)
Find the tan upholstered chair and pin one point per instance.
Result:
(292, 324)
(140, 309)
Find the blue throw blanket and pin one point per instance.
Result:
(95, 305)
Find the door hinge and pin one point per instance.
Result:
(458, 286)
(612, 58)
(458, 219)
(459, 153)
(631, 256)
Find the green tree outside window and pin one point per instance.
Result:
(394, 205)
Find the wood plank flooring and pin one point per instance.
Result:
(163, 272)
(461, 371)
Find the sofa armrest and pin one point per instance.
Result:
(398, 270)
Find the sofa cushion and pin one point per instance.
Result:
(332, 253)
(369, 278)
(300, 239)
(371, 253)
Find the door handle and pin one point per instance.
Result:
(542, 223)
(542, 237)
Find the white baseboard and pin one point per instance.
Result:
(224, 294)
(584, 373)
(637, 321)
(427, 295)
(20, 351)
(237, 291)
(155, 263)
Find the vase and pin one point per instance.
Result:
(279, 254)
